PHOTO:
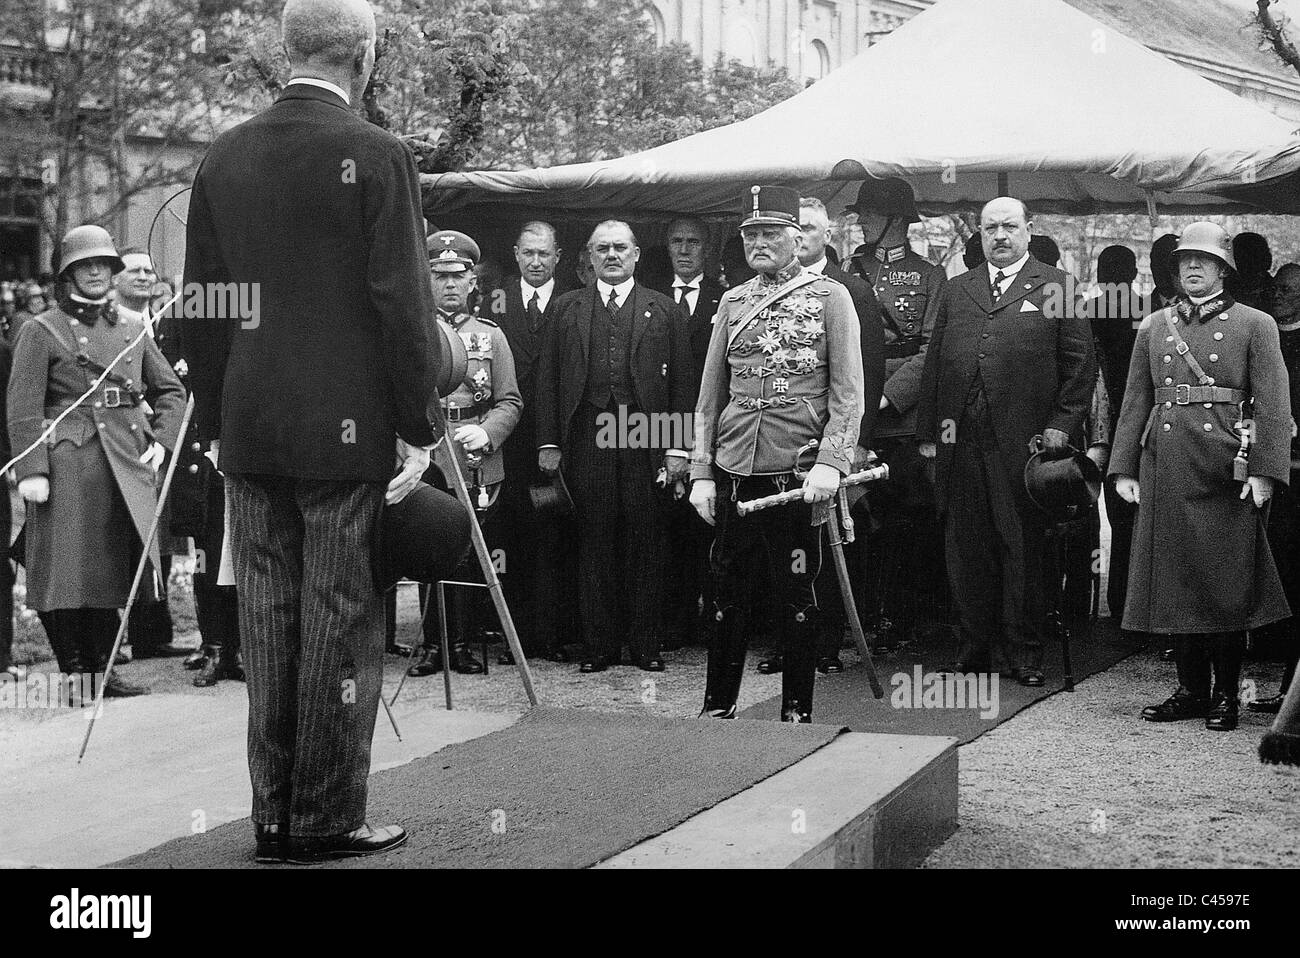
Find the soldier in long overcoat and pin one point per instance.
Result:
(90, 487)
(1203, 436)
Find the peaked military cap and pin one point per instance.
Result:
(452, 252)
(771, 206)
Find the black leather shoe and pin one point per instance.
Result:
(1223, 714)
(1179, 706)
(1030, 678)
(362, 841)
(727, 713)
(651, 663)
(168, 651)
(558, 655)
(771, 665)
(1269, 706)
(397, 648)
(119, 688)
(196, 659)
(1167, 655)
(220, 665)
(597, 663)
(830, 665)
(272, 843)
(430, 663)
(506, 658)
(463, 661)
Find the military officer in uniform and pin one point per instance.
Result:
(906, 568)
(784, 369)
(90, 487)
(481, 413)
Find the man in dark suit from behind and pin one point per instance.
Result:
(616, 353)
(689, 537)
(316, 213)
(1009, 359)
(542, 598)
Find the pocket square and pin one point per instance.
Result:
(1028, 307)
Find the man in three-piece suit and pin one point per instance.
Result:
(1008, 360)
(316, 214)
(542, 598)
(614, 357)
(689, 537)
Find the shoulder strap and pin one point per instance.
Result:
(83, 360)
(1181, 347)
(44, 320)
(803, 279)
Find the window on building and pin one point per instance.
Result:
(657, 24)
(816, 61)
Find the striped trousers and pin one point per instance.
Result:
(312, 627)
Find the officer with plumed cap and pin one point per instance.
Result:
(780, 407)
(481, 411)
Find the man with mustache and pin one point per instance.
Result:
(615, 352)
(999, 371)
(780, 407)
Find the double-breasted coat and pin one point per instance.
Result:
(80, 543)
(1200, 561)
(488, 397)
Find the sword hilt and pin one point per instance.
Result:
(873, 474)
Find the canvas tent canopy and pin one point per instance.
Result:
(1079, 118)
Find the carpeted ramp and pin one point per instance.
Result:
(845, 699)
(558, 789)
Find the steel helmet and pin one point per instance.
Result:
(889, 197)
(1208, 238)
(87, 242)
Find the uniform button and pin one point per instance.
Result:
(985, 336)
(1207, 427)
(134, 427)
(103, 425)
(194, 467)
(99, 405)
(82, 339)
(1169, 339)
(195, 446)
(1214, 357)
(1169, 359)
(1169, 405)
(1209, 405)
(1166, 427)
(1169, 380)
(1218, 335)
(74, 322)
(981, 355)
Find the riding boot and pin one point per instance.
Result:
(1226, 652)
(1192, 657)
(726, 664)
(797, 681)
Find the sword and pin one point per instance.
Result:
(837, 512)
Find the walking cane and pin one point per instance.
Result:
(139, 573)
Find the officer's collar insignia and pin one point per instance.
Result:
(892, 255)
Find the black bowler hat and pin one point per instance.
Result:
(771, 206)
(1062, 487)
(422, 538)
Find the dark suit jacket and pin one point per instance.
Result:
(873, 347)
(321, 210)
(662, 374)
(699, 323)
(526, 347)
(1039, 370)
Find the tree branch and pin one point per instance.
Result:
(1275, 33)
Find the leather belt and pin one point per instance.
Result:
(461, 413)
(1185, 395)
(115, 397)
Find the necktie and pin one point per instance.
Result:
(998, 280)
(535, 312)
(612, 305)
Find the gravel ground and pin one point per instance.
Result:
(1079, 781)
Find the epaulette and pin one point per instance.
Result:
(486, 322)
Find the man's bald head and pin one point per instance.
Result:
(327, 33)
(1004, 230)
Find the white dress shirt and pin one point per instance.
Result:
(621, 291)
(1008, 273)
(543, 293)
(324, 85)
(692, 294)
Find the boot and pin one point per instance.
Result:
(222, 662)
(196, 659)
(464, 661)
(96, 632)
(797, 681)
(66, 654)
(726, 665)
(1179, 706)
(1222, 716)
(430, 662)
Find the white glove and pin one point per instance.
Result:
(35, 489)
(213, 451)
(414, 461)
(472, 436)
(821, 483)
(1129, 489)
(153, 456)
(704, 497)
